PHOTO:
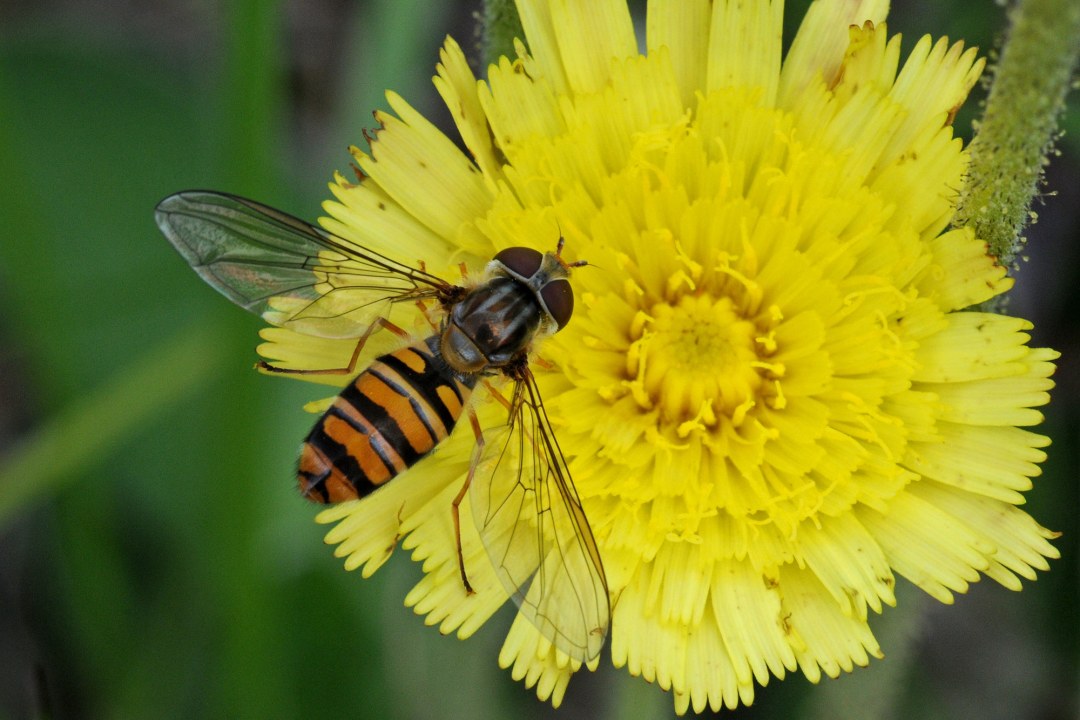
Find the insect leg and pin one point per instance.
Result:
(498, 396)
(380, 323)
(427, 315)
(454, 509)
(542, 363)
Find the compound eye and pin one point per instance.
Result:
(558, 298)
(521, 261)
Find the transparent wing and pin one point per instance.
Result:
(535, 531)
(292, 273)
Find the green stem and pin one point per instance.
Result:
(1018, 128)
(246, 676)
(499, 26)
(91, 427)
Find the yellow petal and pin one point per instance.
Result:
(589, 36)
(744, 47)
(682, 27)
(819, 45)
(410, 152)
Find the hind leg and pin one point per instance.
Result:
(349, 369)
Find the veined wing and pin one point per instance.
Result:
(535, 531)
(292, 273)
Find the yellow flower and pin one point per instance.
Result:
(772, 396)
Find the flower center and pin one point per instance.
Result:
(696, 359)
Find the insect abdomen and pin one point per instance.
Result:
(390, 416)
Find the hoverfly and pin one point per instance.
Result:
(406, 402)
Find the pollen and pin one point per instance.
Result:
(697, 359)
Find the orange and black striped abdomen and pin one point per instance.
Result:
(390, 416)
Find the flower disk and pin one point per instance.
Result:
(772, 397)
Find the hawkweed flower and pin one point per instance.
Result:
(772, 397)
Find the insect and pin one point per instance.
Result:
(406, 402)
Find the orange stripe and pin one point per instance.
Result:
(398, 408)
(373, 434)
(337, 487)
(426, 412)
(358, 445)
(450, 399)
(413, 359)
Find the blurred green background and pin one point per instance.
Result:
(155, 559)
